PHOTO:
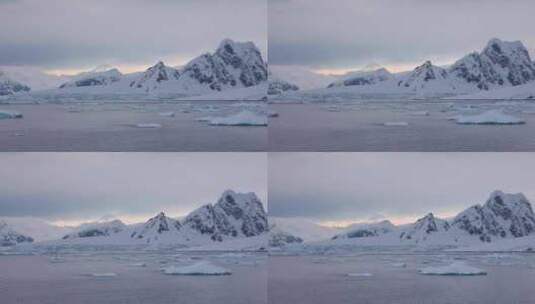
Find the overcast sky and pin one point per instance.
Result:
(349, 34)
(76, 187)
(338, 188)
(67, 35)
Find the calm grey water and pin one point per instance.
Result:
(359, 126)
(66, 279)
(111, 127)
(317, 279)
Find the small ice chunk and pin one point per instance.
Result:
(167, 114)
(201, 268)
(396, 124)
(9, 114)
(243, 118)
(456, 268)
(491, 117)
(359, 274)
(148, 125)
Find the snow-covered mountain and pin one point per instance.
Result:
(301, 229)
(304, 78)
(233, 65)
(9, 86)
(362, 78)
(423, 228)
(365, 230)
(503, 217)
(9, 237)
(279, 238)
(95, 78)
(233, 217)
(33, 77)
(278, 86)
(96, 229)
(501, 65)
(38, 229)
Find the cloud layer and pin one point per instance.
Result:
(78, 186)
(353, 33)
(69, 34)
(369, 186)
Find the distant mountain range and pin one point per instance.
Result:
(502, 66)
(502, 217)
(235, 216)
(232, 66)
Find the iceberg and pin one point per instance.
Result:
(9, 114)
(201, 268)
(243, 118)
(491, 117)
(456, 268)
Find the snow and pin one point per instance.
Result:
(9, 114)
(457, 268)
(491, 117)
(243, 118)
(201, 268)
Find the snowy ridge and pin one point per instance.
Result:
(501, 65)
(10, 87)
(235, 218)
(362, 78)
(506, 219)
(96, 229)
(97, 78)
(232, 66)
(9, 237)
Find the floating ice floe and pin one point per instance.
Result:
(201, 268)
(491, 117)
(148, 125)
(167, 114)
(396, 124)
(243, 118)
(359, 274)
(9, 114)
(456, 268)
